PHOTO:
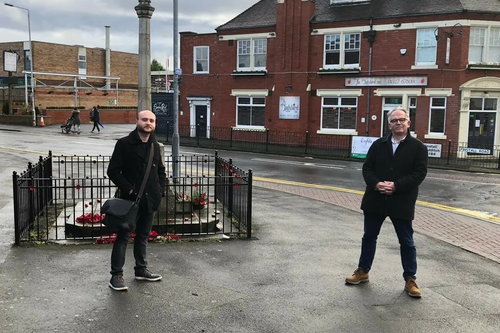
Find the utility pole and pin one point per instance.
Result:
(144, 11)
(175, 136)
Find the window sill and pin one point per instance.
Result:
(424, 67)
(249, 128)
(323, 71)
(201, 73)
(484, 66)
(249, 73)
(435, 136)
(337, 132)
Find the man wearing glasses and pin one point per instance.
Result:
(394, 168)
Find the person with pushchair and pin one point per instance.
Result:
(76, 120)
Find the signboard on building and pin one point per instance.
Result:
(289, 107)
(475, 151)
(434, 149)
(360, 146)
(377, 81)
(9, 61)
(14, 80)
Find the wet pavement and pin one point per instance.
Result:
(289, 278)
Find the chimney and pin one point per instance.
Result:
(108, 57)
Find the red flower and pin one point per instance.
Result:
(86, 206)
(236, 184)
(90, 203)
(186, 219)
(78, 187)
(98, 200)
(32, 188)
(196, 185)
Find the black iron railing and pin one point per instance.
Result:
(60, 198)
(451, 155)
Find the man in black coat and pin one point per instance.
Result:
(95, 117)
(394, 168)
(126, 170)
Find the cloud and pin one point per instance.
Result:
(82, 22)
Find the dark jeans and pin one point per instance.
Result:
(404, 230)
(142, 232)
(96, 125)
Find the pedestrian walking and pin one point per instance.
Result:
(126, 171)
(95, 117)
(394, 168)
(76, 120)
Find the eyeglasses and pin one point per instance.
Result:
(400, 120)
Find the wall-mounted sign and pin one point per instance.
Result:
(360, 146)
(377, 81)
(9, 61)
(289, 107)
(434, 149)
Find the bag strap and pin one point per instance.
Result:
(146, 175)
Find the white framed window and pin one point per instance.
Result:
(252, 54)
(339, 113)
(437, 115)
(426, 47)
(201, 59)
(484, 46)
(342, 50)
(250, 111)
(82, 61)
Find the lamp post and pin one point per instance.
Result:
(175, 136)
(32, 78)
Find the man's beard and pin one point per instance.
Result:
(149, 130)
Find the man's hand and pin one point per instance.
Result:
(387, 188)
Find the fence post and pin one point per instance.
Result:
(168, 126)
(267, 139)
(231, 139)
(230, 190)
(498, 159)
(349, 147)
(449, 151)
(15, 188)
(307, 141)
(31, 199)
(249, 205)
(198, 135)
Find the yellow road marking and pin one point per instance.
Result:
(471, 213)
(23, 150)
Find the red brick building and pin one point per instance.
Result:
(336, 67)
(68, 76)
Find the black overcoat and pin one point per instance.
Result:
(407, 168)
(128, 165)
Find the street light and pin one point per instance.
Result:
(32, 78)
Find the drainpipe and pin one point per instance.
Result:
(108, 57)
(371, 39)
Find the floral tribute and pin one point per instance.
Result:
(153, 237)
(91, 217)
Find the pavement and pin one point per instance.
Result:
(288, 278)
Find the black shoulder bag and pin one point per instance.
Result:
(121, 214)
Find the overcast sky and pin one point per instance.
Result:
(82, 22)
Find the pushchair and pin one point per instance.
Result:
(66, 128)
